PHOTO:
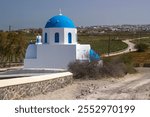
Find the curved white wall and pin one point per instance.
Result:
(31, 51)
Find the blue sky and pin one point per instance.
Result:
(35, 13)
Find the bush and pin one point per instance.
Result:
(126, 59)
(146, 65)
(114, 67)
(83, 69)
(141, 47)
(112, 70)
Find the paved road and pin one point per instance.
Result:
(20, 73)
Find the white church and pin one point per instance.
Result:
(58, 46)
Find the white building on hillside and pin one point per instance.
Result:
(57, 47)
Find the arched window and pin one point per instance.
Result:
(37, 40)
(69, 38)
(45, 40)
(56, 37)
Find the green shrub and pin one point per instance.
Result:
(141, 47)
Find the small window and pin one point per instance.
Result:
(45, 40)
(37, 40)
(69, 38)
(56, 37)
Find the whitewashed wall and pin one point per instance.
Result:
(83, 51)
(54, 56)
(63, 35)
(31, 51)
(73, 31)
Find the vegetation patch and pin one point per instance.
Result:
(103, 45)
(143, 41)
(138, 59)
(12, 47)
(141, 47)
(112, 67)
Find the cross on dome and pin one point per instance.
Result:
(60, 21)
(60, 12)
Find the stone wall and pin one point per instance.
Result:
(20, 91)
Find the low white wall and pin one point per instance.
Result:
(18, 88)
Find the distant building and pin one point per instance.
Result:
(58, 46)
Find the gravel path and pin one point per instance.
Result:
(135, 86)
(130, 48)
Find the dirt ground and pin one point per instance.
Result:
(132, 86)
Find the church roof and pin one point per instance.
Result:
(60, 21)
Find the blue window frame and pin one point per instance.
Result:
(45, 40)
(56, 37)
(69, 38)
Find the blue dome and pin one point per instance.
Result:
(60, 21)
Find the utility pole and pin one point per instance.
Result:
(9, 28)
(109, 45)
(140, 34)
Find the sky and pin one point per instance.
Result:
(35, 13)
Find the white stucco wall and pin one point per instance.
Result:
(54, 56)
(51, 35)
(73, 31)
(83, 51)
(63, 35)
(31, 51)
(30, 63)
(57, 56)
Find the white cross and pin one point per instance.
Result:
(60, 12)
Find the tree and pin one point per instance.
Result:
(21, 46)
(3, 41)
(12, 47)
